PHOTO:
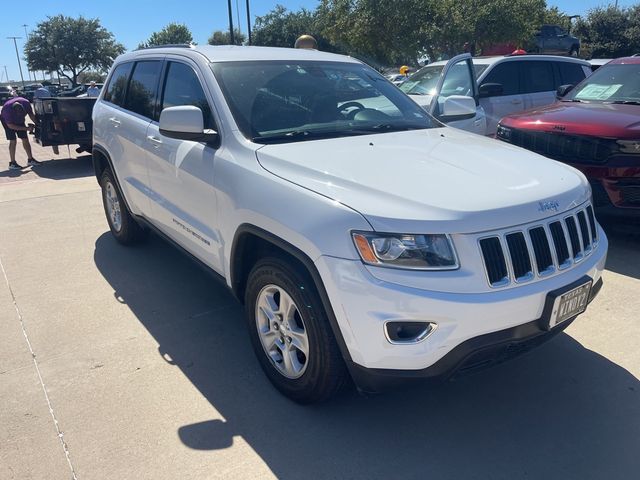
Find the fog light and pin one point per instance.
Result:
(408, 332)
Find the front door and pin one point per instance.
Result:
(511, 100)
(181, 171)
(458, 78)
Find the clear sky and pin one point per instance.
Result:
(133, 21)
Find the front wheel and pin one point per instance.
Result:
(290, 332)
(121, 223)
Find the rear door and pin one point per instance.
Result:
(539, 83)
(458, 78)
(507, 74)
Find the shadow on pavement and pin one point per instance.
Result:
(624, 246)
(56, 169)
(562, 411)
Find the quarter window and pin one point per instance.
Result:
(118, 84)
(141, 94)
(507, 75)
(571, 73)
(538, 77)
(182, 87)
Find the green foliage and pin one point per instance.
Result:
(609, 32)
(70, 46)
(174, 33)
(281, 28)
(220, 37)
(86, 77)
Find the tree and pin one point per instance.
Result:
(281, 28)
(70, 46)
(86, 77)
(220, 37)
(610, 32)
(174, 33)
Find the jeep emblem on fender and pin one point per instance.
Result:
(550, 205)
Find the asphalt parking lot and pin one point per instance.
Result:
(133, 363)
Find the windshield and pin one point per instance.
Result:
(425, 81)
(281, 101)
(609, 84)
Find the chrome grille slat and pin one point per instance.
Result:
(539, 250)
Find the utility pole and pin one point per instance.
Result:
(248, 23)
(231, 37)
(5, 73)
(17, 56)
(26, 35)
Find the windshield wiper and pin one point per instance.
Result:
(573, 100)
(301, 135)
(390, 127)
(626, 102)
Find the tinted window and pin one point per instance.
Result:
(538, 77)
(182, 87)
(118, 84)
(547, 31)
(506, 74)
(570, 73)
(141, 94)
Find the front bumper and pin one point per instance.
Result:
(467, 322)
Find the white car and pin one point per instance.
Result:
(369, 242)
(482, 90)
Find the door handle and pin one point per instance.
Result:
(155, 140)
(115, 121)
(516, 101)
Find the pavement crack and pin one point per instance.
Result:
(60, 435)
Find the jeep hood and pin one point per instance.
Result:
(596, 119)
(436, 180)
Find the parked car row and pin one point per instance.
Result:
(366, 239)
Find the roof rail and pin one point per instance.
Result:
(168, 45)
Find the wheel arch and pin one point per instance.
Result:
(250, 243)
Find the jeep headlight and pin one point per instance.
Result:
(416, 252)
(629, 146)
(503, 133)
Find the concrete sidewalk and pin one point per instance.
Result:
(132, 363)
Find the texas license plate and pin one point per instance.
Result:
(570, 304)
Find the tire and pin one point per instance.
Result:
(121, 223)
(305, 377)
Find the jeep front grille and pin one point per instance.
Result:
(539, 250)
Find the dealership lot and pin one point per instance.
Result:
(133, 363)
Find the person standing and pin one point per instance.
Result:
(93, 91)
(13, 115)
(42, 92)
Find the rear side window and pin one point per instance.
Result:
(507, 75)
(118, 84)
(570, 73)
(141, 94)
(182, 87)
(538, 77)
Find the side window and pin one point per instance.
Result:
(182, 87)
(570, 73)
(559, 31)
(458, 81)
(141, 94)
(546, 31)
(538, 77)
(507, 75)
(118, 84)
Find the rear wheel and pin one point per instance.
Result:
(121, 223)
(290, 332)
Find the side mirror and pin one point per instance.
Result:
(563, 90)
(491, 90)
(185, 123)
(457, 107)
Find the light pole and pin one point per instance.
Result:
(248, 23)
(26, 36)
(17, 57)
(231, 37)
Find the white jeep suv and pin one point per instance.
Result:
(365, 239)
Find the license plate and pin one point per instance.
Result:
(569, 304)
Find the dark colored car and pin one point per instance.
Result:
(595, 127)
(554, 40)
(5, 94)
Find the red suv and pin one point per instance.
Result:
(595, 127)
